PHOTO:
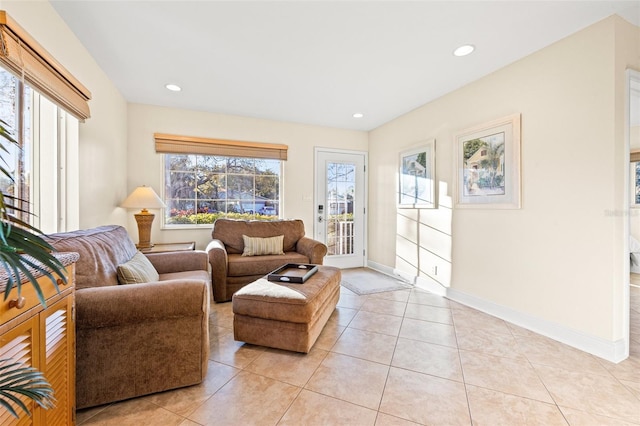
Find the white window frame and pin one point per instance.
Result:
(167, 226)
(53, 168)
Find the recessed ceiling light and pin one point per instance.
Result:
(464, 50)
(173, 87)
(358, 115)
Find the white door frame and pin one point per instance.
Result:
(365, 184)
(633, 78)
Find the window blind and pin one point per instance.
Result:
(23, 56)
(174, 144)
(635, 156)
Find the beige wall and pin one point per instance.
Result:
(103, 137)
(145, 120)
(558, 258)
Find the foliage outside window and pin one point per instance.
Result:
(15, 111)
(341, 178)
(201, 188)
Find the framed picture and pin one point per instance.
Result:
(487, 165)
(417, 177)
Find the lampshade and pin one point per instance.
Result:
(143, 197)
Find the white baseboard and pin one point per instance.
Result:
(391, 271)
(429, 284)
(614, 351)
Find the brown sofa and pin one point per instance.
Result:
(135, 339)
(230, 270)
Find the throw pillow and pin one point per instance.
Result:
(137, 270)
(256, 246)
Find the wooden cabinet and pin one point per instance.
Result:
(45, 339)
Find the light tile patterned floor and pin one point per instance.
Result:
(398, 358)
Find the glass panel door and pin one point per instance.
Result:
(340, 202)
(341, 184)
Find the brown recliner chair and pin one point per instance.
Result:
(136, 339)
(230, 270)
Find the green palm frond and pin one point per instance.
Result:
(19, 238)
(5, 133)
(11, 203)
(18, 242)
(23, 254)
(6, 172)
(17, 379)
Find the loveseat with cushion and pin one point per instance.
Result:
(139, 338)
(242, 251)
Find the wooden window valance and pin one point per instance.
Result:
(23, 56)
(173, 144)
(635, 156)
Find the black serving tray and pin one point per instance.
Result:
(295, 273)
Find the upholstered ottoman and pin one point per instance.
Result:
(286, 316)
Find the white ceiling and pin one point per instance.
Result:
(315, 62)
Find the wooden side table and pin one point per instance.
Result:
(162, 248)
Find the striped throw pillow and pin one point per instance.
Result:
(137, 270)
(256, 246)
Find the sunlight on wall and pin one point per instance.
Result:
(424, 243)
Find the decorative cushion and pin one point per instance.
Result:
(137, 270)
(256, 246)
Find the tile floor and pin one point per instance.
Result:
(398, 358)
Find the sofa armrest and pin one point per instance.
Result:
(179, 261)
(218, 259)
(311, 248)
(112, 306)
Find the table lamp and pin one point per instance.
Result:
(143, 197)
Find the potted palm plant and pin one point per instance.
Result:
(24, 256)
